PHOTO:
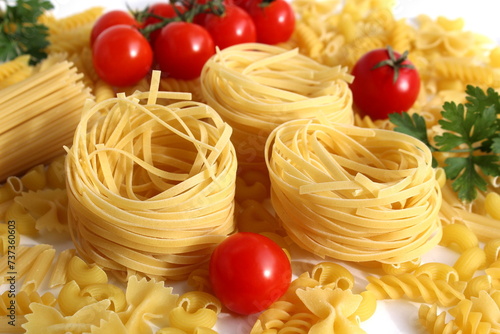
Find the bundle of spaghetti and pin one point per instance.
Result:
(39, 116)
(256, 87)
(150, 187)
(353, 193)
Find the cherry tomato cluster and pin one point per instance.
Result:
(178, 37)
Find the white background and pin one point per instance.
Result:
(392, 317)
(481, 15)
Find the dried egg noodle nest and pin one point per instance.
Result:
(353, 193)
(151, 187)
(256, 87)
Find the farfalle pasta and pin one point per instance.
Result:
(311, 306)
(151, 187)
(23, 300)
(52, 321)
(333, 192)
(42, 210)
(148, 301)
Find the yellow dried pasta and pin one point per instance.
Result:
(335, 197)
(401, 268)
(195, 309)
(151, 187)
(39, 116)
(420, 288)
(458, 237)
(256, 87)
(469, 262)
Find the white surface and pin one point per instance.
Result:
(392, 317)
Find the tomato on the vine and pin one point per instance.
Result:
(164, 10)
(200, 18)
(274, 20)
(109, 19)
(385, 82)
(182, 48)
(122, 55)
(235, 26)
(249, 272)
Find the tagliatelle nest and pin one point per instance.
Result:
(150, 187)
(352, 193)
(256, 87)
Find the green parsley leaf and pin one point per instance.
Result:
(20, 31)
(469, 180)
(468, 128)
(495, 145)
(414, 126)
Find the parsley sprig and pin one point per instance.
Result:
(20, 31)
(471, 136)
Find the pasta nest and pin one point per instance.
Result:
(150, 186)
(353, 193)
(256, 87)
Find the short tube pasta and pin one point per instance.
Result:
(332, 189)
(150, 187)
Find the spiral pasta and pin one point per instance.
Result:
(256, 87)
(477, 315)
(331, 190)
(150, 187)
(417, 288)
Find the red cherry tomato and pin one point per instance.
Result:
(122, 55)
(378, 92)
(109, 19)
(274, 21)
(182, 48)
(235, 26)
(162, 9)
(249, 272)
